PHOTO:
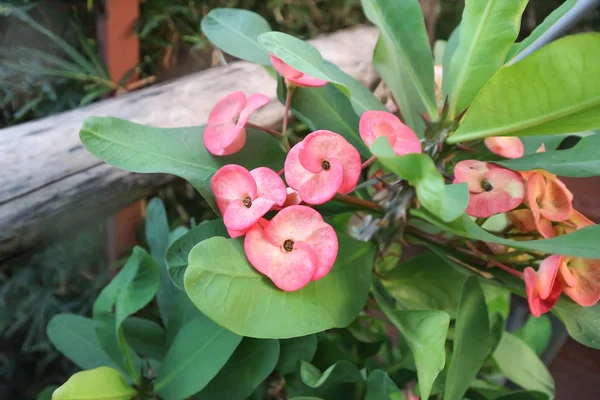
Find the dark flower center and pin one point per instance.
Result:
(288, 245)
(247, 202)
(325, 165)
(486, 186)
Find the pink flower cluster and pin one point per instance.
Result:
(296, 246)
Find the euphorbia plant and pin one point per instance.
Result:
(310, 226)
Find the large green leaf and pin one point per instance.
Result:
(199, 351)
(102, 383)
(425, 334)
(488, 28)
(403, 57)
(471, 340)
(146, 337)
(306, 58)
(294, 350)
(241, 299)
(381, 387)
(178, 151)
(581, 243)
(235, 31)
(326, 108)
(250, 364)
(583, 323)
(540, 32)
(448, 202)
(536, 333)
(583, 160)
(539, 94)
(449, 51)
(426, 282)
(521, 365)
(75, 337)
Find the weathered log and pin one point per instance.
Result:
(50, 184)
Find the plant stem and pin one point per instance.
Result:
(264, 129)
(370, 161)
(286, 113)
(369, 205)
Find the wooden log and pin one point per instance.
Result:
(50, 184)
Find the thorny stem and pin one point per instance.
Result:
(369, 205)
(370, 161)
(264, 129)
(494, 262)
(286, 114)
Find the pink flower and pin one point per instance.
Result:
(224, 133)
(294, 248)
(294, 76)
(505, 146)
(542, 287)
(549, 201)
(321, 165)
(293, 199)
(244, 197)
(581, 280)
(374, 124)
(492, 189)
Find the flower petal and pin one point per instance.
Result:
(269, 185)
(284, 70)
(238, 217)
(374, 124)
(232, 182)
(296, 223)
(221, 135)
(307, 81)
(505, 146)
(507, 193)
(555, 203)
(324, 243)
(523, 220)
(537, 305)
(547, 274)
(587, 290)
(254, 102)
(472, 173)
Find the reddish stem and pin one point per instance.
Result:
(370, 161)
(264, 129)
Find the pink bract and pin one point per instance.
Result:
(493, 189)
(505, 146)
(320, 166)
(293, 249)
(243, 196)
(294, 76)
(225, 133)
(542, 287)
(581, 280)
(374, 124)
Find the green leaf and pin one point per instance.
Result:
(536, 333)
(538, 95)
(425, 334)
(75, 337)
(581, 243)
(471, 340)
(523, 395)
(241, 299)
(381, 387)
(251, 363)
(449, 51)
(583, 160)
(583, 323)
(146, 337)
(235, 31)
(340, 372)
(102, 383)
(534, 39)
(178, 151)
(294, 350)
(488, 29)
(522, 366)
(426, 282)
(306, 58)
(179, 251)
(403, 57)
(326, 108)
(46, 393)
(448, 202)
(199, 351)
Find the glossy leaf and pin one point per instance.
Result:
(538, 95)
(294, 350)
(583, 323)
(340, 372)
(583, 160)
(471, 340)
(306, 58)
(241, 299)
(540, 33)
(425, 334)
(448, 202)
(251, 363)
(178, 151)
(403, 57)
(426, 282)
(75, 337)
(101, 383)
(235, 31)
(326, 108)
(146, 337)
(536, 333)
(381, 387)
(522, 366)
(488, 29)
(449, 51)
(199, 351)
